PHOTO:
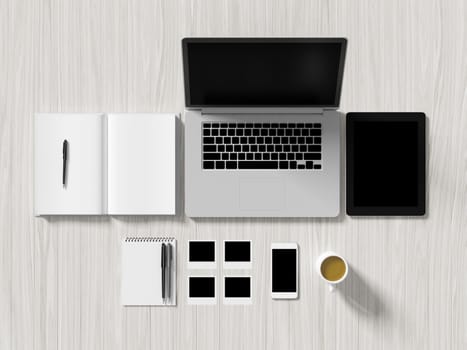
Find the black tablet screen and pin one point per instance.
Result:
(385, 163)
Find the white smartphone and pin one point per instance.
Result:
(284, 270)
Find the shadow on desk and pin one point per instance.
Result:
(362, 298)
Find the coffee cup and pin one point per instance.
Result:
(332, 268)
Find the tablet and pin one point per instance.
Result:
(385, 164)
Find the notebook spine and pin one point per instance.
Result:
(149, 239)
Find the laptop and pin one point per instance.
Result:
(262, 130)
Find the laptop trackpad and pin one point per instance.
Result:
(262, 194)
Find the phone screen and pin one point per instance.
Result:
(284, 270)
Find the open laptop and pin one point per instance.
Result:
(262, 131)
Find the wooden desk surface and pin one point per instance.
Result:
(60, 278)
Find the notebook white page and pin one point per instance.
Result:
(85, 191)
(141, 272)
(141, 164)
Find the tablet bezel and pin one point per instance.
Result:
(417, 210)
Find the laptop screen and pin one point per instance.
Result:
(270, 72)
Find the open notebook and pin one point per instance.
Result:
(118, 164)
(142, 272)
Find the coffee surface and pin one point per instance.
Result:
(333, 268)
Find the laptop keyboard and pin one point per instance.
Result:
(255, 146)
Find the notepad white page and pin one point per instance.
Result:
(85, 191)
(141, 164)
(141, 274)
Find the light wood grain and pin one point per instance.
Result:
(6, 297)
(60, 277)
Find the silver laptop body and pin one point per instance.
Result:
(225, 174)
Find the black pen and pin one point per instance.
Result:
(169, 271)
(163, 270)
(65, 156)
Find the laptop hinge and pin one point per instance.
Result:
(266, 110)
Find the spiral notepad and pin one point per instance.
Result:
(142, 272)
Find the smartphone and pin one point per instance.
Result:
(284, 270)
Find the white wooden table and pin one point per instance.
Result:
(60, 278)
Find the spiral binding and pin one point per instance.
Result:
(149, 239)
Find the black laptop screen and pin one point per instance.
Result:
(262, 73)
